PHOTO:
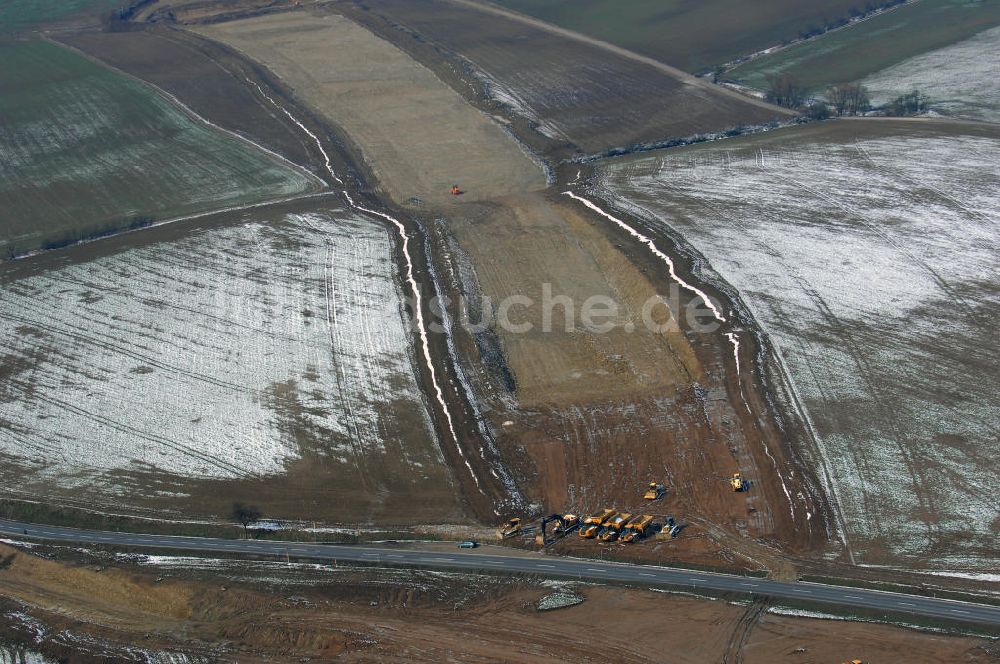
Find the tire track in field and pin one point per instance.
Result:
(221, 464)
(916, 260)
(115, 349)
(408, 277)
(741, 632)
(866, 155)
(163, 304)
(841, 329)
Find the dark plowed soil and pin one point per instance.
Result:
(574, 92)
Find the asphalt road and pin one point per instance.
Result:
(547, 566)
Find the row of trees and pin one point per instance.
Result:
(842, 99)
(815, 30)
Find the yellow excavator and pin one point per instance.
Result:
(738, 483)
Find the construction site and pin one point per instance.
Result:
(325, 322)
(635, 525)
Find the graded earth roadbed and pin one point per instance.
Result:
(418, 135)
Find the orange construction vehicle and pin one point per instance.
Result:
(636, 528)
(609, 535)
(600, 519)
(509, 529)
(592, 524)
(654, 492)
(619, 521)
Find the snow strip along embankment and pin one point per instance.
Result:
(418, 310)
(659, 254)
(732, 336)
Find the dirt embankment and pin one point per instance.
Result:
(76, 607)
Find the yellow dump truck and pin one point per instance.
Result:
(737, 482)
(600, 519)
(618, 521)
(592, 524)
(636, 528)
(610, 535)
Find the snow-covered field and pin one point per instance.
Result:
(960, 80)
(227, 354)
(872, 266)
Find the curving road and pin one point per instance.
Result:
(548, 566)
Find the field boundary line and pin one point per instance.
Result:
(193, 114)
(173, 220)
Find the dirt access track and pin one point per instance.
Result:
(583, 418)
(72, 605)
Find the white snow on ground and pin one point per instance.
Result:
(975, 576)
(15, 655)
(190, 356)
(505, 95)
(960, 79)
(872, 267)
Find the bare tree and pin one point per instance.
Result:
(819, 111)
(848, 98)
(908, 104)
(785, 90)
(245, 515)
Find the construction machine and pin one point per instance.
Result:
(654, 492)
(669, 530)
(737, 482)
(609, 535)
(510, 529)
(600, 519)
(563, 524)
(636, 528)
(589, 532)
(567, 523)
(618, 521)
